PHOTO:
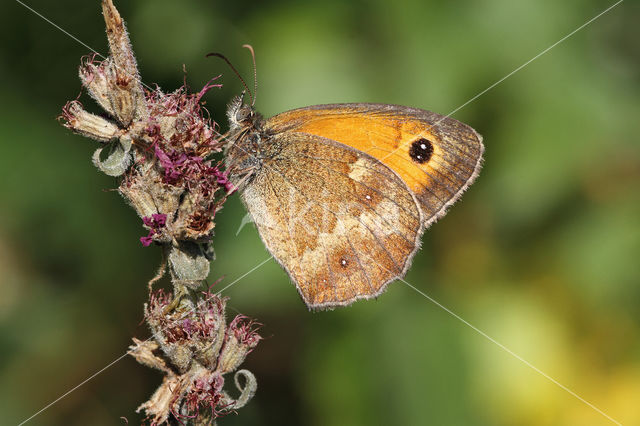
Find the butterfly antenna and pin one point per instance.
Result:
(224, 58)
(255, 72)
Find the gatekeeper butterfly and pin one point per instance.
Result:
(341, 194)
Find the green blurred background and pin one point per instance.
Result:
(542, 253)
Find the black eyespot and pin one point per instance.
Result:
(344, 262)
(421, 150)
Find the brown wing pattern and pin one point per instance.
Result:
(341, 223)
(436, 156)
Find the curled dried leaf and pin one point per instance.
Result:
(118, 157)
(189, 264)
(247, 391)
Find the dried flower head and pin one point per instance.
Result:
(198, 348)
(159, 145)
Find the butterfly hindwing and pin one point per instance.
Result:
(339, 221)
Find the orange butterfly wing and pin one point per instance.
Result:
(437, 157)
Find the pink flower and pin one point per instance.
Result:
(155, 222)
(146, 241)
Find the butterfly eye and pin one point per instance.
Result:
(244, 114)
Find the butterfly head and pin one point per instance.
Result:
(242, 116)
(244, 153)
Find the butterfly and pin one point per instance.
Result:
(341, 194)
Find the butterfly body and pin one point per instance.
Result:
(341, 194)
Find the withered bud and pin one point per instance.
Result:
(241, 338)
(94, 77)
(74, 117)
(170, 328)
(126, 93)
(206, 391)
(143, 352)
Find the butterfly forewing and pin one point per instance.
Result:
(436, 156)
